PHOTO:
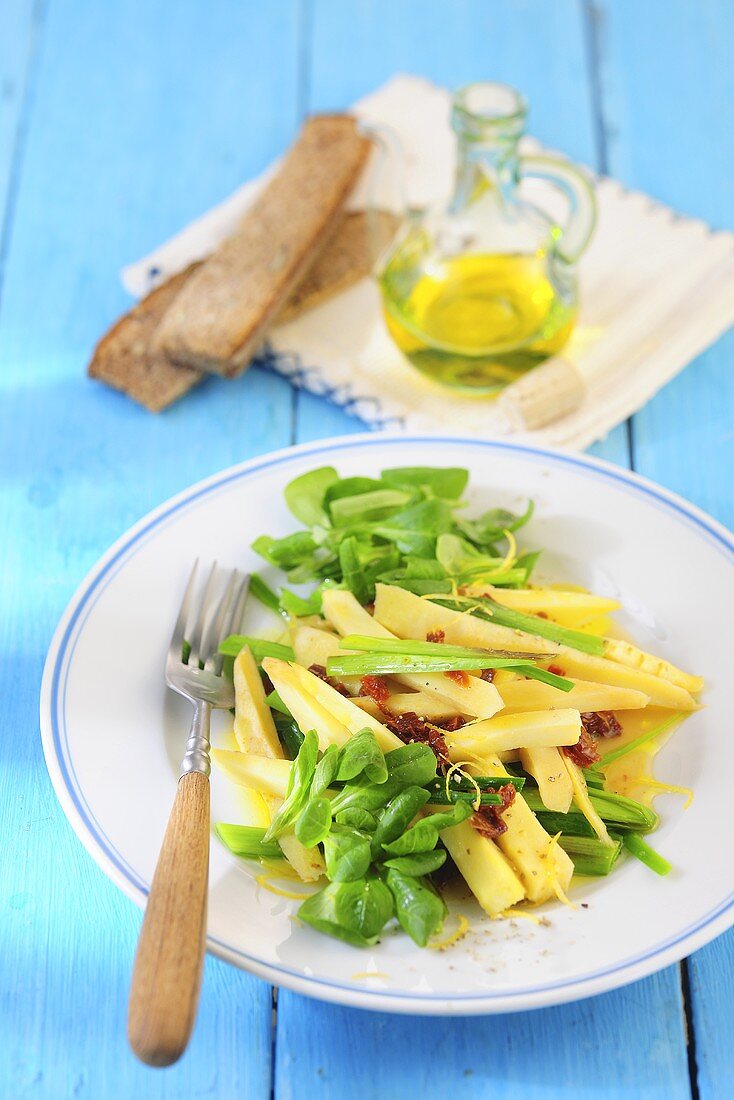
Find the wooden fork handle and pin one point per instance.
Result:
(169, 961)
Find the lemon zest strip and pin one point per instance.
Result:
(663, 788)
(264, 881)
(511, 913)
(449, 941)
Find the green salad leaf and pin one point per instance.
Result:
(362, 755)
(302, 772)
(422, 863)
(354, 911)
(314, 822)
(398, 815)
(420, 910)
(448, 482)
(305, 495)
(357, 818)
(346, 853)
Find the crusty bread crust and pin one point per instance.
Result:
(219, 319)
(347, 257)
(123, 356)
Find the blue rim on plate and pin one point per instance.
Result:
(72, 798)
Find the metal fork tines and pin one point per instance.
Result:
(194, 663)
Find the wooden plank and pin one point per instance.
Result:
(554, 1052)
(18, 42)
(668, 90)
(141, 119)
(542, 51)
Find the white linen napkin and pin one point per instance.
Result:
(656, 289)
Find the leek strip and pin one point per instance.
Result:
(589, 855)
(411, 616)
(477, 697)
(259, 647)
(634, 844)
(643, 739)
(548, 600)
(414, 647)
(534, 625)
(264, 593)
(616, 810)
(389, 664)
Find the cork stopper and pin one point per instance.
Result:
(543, 395)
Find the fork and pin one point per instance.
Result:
(169, 960)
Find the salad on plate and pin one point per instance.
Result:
(429, 709)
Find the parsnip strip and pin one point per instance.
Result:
(486, 871)
(255, 732)
(584, 666)
(308, 713)
(627, 654)
(411, 616)
(546, 766)
(582, 800)
(475, 696)
(532, 601)
(526, 843)
(517, 731)
(422, 703)
(314, 647)
(532, 695)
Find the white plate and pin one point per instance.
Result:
(113, 736)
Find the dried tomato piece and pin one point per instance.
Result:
(458, 676)
(411, 727)
(584, 752)
(436, 636)
(557, 670)
(601, 723)
(451, 725)
(320, 671)
(375, 687)
(489, 821)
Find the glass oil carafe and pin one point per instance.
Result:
(477, 294)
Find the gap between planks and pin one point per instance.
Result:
(685, 987)
(38, 21)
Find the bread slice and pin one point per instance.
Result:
(219, 319)
(124, 359)
(347, 257)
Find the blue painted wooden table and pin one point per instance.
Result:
(119, 122)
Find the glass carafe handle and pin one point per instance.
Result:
(578, 192)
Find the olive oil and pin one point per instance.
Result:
(476, 321)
